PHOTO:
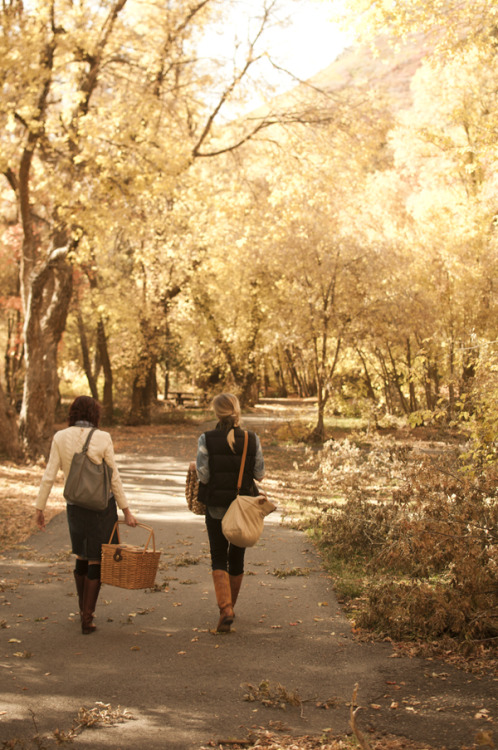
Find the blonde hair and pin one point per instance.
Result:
(226, 406)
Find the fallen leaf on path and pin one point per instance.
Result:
(485, 739)
(483, 713)
(135, 648)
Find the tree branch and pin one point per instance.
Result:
(229, 90)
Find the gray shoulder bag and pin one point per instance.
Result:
(88, 484)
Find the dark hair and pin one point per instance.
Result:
(84, 408)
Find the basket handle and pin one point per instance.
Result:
(148, 528)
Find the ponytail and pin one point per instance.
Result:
(227, 408)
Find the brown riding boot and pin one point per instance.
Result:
(224, 599)
(90, 596)
(80, 587)
(235, 584)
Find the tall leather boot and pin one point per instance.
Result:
(90, 596)
(80, 587)
(235, 584)
(224, 599)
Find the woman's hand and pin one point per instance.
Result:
(129, 518)
(40, 519)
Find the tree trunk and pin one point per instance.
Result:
(396, 382)
(143, 393)
(451, 384)
(429, 400)
(317, 435)
(9, 439)
(46, 276)
(281, 389)
(248, 393)
(368, 379)
(47, 304)
(85, 353)
(386, 380)
(296, 380)
(323, 378)
(411, 384)
(105, 360)
(14, 356)
(266, 378)
(166, 384)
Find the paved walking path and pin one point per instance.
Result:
(154, 653)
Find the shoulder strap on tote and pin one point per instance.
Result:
(243, 461)
(87, 441)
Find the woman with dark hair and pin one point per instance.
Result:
(219, 456)
(88, 529)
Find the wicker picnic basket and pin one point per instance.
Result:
(127, 565)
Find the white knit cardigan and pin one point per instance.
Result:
(70, 441)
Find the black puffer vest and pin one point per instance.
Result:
(224, 467)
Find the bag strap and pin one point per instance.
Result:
(243, 461)
(87, 441)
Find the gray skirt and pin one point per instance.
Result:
(90, 529)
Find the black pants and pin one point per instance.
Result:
(224, 556)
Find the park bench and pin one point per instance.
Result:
(186, 398)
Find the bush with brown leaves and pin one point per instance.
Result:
(425, 530)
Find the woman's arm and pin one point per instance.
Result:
(48, 479)
(259, 463)
(117, 484)
(202, 461)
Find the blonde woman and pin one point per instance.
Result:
(219, 456)
(88, 529)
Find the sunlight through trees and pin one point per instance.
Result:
(338, 243)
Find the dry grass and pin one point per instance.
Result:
(19, 488)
